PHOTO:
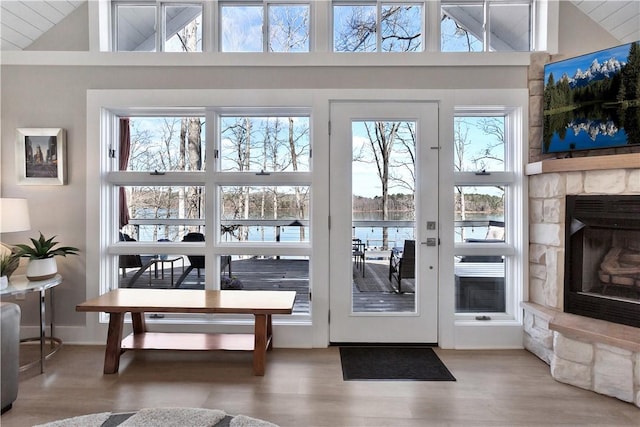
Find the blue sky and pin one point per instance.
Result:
(365, 181)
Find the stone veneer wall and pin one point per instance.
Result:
(574, 359)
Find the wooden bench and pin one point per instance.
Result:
(262, 304)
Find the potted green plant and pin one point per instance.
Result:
(42, 263)
(8, 263)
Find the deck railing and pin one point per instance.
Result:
(360, 228)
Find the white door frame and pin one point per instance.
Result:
(420, 326)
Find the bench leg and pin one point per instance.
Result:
(114, 342)
(261, 339)
(138, 322)
(269, 333)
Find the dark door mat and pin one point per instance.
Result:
(393, 363)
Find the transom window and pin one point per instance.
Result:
(378, 27)
(286, 26)
(157, 26)
(260, 27)
(485, 25)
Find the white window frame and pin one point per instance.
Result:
(160, 30)
(211, 179)
(320, 25)
(378, 4)
(266, 24)
(486, 25)
(511, 180)
(454, 331)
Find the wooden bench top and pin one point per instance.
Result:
(191, 301)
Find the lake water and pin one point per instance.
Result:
(371, 236)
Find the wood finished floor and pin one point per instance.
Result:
(304, 387)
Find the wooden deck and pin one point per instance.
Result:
(373, 293)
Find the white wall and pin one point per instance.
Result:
(55, 96)
(578, 34)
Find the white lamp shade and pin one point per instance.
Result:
(14, 215)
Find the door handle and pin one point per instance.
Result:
(431, 241)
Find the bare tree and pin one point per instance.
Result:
(400, 31)
(493, 127)
(402, 170)
(192, 140)
(289, 29)
(460, 145)
(400, 28)
(294, 163)
(381, 137)
(271, 144)
(358, 35)
(188, 36)
(482, 158)
(459, 33)
(238, 135)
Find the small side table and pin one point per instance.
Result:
(19, 284)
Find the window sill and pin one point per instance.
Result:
(496, 320)
(218, 59)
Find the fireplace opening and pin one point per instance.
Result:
(602, 258)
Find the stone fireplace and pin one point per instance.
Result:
(590, 353)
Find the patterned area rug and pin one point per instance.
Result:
(165, 417)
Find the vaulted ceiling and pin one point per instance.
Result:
(23, 21)
(620, 18)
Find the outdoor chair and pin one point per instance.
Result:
(357, 252)
(128, 261)
(197, 261)
(141, 262)
(403, 265)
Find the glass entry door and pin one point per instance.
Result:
(384, 225)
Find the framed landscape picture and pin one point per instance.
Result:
(40, 156)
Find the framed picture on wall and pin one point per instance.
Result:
(40, 156)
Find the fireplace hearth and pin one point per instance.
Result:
(602, 258)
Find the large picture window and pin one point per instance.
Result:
(190, 221)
